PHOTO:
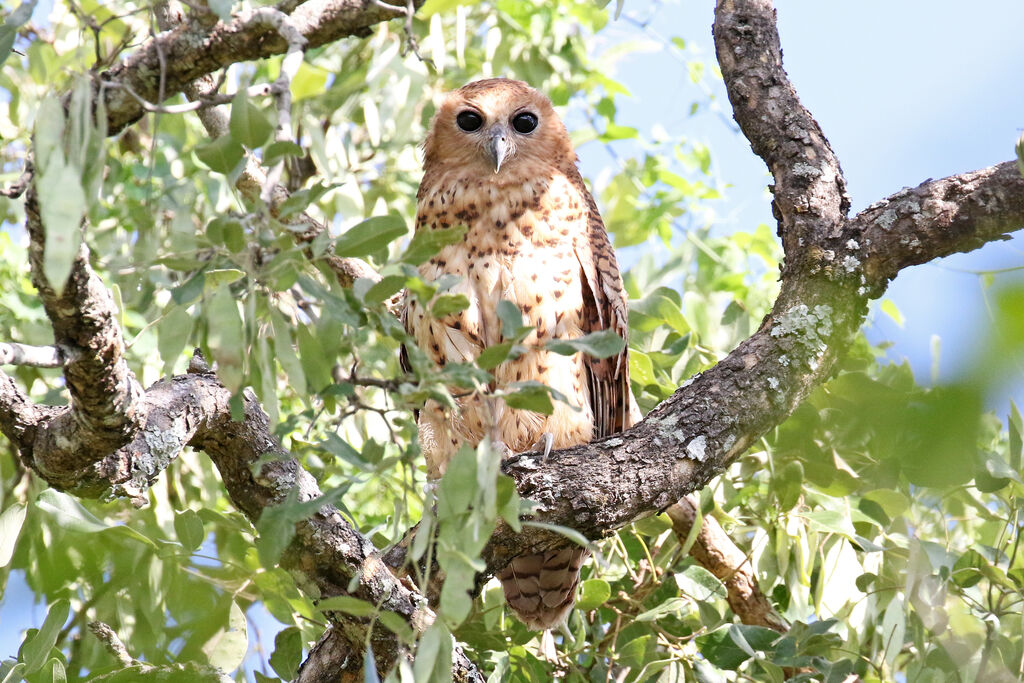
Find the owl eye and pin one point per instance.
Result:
(524, 122)
(469, 120)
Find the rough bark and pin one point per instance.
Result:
(715, 551)
(200, 45)
(114, 436)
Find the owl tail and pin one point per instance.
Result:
(541, 588)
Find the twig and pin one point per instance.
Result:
(106, 635)
(258, 90)
(12, 353)
(19, 186)
(409, 11)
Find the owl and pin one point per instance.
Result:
(499, 161)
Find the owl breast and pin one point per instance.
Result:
(518, 248)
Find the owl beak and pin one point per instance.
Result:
(497, 146)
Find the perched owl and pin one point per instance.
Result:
(499, 161)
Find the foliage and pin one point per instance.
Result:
(882, 518)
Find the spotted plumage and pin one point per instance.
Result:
(499, 161)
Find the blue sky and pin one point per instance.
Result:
(904, 91)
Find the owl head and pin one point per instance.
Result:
(496, 126)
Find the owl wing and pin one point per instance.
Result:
(604, 308)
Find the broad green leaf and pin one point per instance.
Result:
(173, 332)
(602, 344)
(72, 515)
(62, 204)
(56, 671)
(11, 520)
(287, 653)
(315, 363)
(189, 528)
(36, 651)
(593, 593)
(226, 338)
(221, 155)
(16, 673)
(276, 151)
(227, 648)
(495, 355)
(346, 604)
(69, 512)
(222, 277)
(434, 655)
(446, 304)
(249, 125)
(675, 606)
(830, 522)
(894, 626)
(9, 31)
(370, 236)
(530, 396)
(700, 584)
(427, 243)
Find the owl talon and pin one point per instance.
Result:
(547, 439)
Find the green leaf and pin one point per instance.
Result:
(221, 155)
(370, 236)
(434, 655)
(672, 606)
(249, 125)
(287, 653)
(62, 204)
(56, 671)
(602, 344)
(227, 648)
(427, 243)
(530, 395)
(70, 514)
(16, 673)
(173, 332)
(221, 277)
(894, 626)
(315, 363)
(226, 338)
(276, 525)
(593, 594)
(446, 304)
(348, 605)
(37, 649)
(511, 319)
(700, 584)
(830, 521)
(276, 151)
(11, 521)
(493, 356)
(9, 31)
(189, 528)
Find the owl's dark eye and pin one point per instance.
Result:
(524, 122)
(469, 120)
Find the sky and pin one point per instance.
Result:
(904, 91)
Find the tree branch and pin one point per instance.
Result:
(715, 551)
(200, 45)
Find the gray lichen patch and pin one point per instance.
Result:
(810, 327)
(697, 448)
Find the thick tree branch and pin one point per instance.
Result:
(105, 396)
(939, 218)
(715, 551)
(200, 45)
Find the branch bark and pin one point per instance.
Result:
(201, 45)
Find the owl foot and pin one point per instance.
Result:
(547, 440)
